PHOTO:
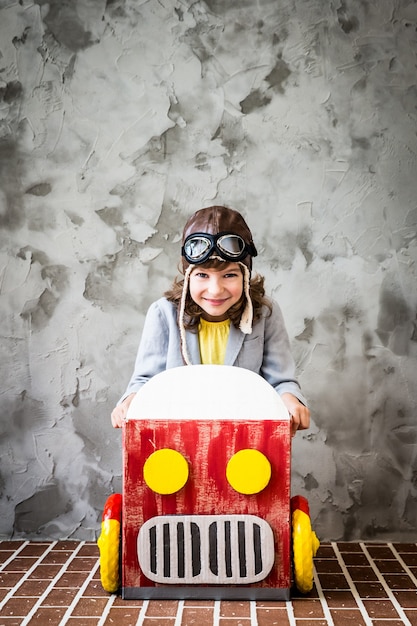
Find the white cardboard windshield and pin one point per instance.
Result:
(207, 392)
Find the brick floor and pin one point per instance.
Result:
(356, 584)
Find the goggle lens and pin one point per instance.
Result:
(197, 247)
(231, 244)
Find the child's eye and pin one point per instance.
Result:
(230, 275)
(201, 274)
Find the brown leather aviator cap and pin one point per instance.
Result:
(219, 219)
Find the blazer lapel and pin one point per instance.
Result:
(234, 344)
(193, 347)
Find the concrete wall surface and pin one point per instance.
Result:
(120, 118)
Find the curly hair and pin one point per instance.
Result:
(193, 312)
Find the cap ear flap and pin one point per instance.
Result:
(246, 320)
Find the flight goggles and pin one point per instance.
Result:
(199, 247)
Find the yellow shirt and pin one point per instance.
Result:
(212, 337)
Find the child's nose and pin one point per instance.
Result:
(215, 286)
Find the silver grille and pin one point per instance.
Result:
(206, 549)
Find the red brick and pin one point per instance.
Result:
(347, 617)
(229, 608)
(195, 616)
(162, 608)
(89, 607)
(127, 616)
(60, 597)
(380, 609)
(307, 609)
(18, 607)
(273, 617)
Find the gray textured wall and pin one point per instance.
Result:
(119, 119)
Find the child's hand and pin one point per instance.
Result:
(299, 413)
(119, 413)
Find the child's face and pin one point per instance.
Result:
(216, 290)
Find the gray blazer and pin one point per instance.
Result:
(266, 351)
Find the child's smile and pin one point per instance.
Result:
(216, 290)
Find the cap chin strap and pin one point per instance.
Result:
(246, 321)
(184, 349)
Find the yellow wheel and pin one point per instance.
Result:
(305, 544)
(109, 543)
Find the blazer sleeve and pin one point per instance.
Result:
(151, 358)
(278, 366)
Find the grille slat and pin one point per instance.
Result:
(257, 548)
(180, 550)
(242, 549)
(195, 548)
(213, 560)
(167, 550)
(206, 549)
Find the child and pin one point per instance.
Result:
(217, 314)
